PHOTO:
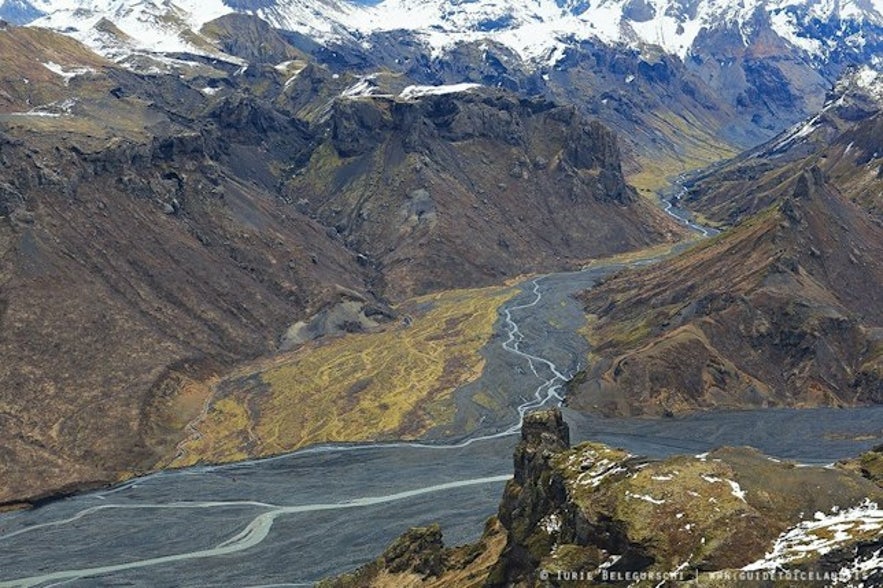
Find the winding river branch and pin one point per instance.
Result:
(252, 535)
(258, 529)
(275, 517)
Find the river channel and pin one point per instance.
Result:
(293, 519)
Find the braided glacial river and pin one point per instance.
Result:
(293, 519)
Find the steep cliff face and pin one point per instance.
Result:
(465, 187)
(594, 515)
(531, 498)
(696, 82)
(667, 117)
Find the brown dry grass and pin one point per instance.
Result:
(393, 383)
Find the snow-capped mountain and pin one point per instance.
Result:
(537, 30)
(543, 28)
(696, 80)
(18, 11)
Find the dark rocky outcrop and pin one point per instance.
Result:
(594, 515)
(419, 558)
(808, 182)
(419, 551)
(545, 185)
(533, 494)
(358, 126)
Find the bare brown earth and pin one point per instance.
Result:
(784, 310)
(154, 235)
(108, 301)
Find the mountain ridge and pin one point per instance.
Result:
(781, 310)
(687, 83)
(531, 28)
(840, 140)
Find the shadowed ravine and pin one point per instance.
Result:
(293, 519)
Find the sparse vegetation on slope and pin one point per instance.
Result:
(782, 310)
(396, 383)
(843, 141)
(572, 516)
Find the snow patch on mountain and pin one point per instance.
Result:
(870, 80)
(784, 23)
(538, 30)
(797, 132)
(66, 75)
(844, 9)
(823, 534)
(116, 28)
(414, 92)
(364, 88)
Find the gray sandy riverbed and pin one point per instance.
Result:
(294, 519)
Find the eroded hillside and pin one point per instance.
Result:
(457, 190)
(842, 140)
(164, 219)
(784, 310)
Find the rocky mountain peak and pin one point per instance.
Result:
(545, 431)
(650, 69)
(532, 494)
(543, 434)
(539, 31)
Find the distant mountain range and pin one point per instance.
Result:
(684, 82)
(540, 31)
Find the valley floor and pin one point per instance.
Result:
(322, 511)
(318, 512)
